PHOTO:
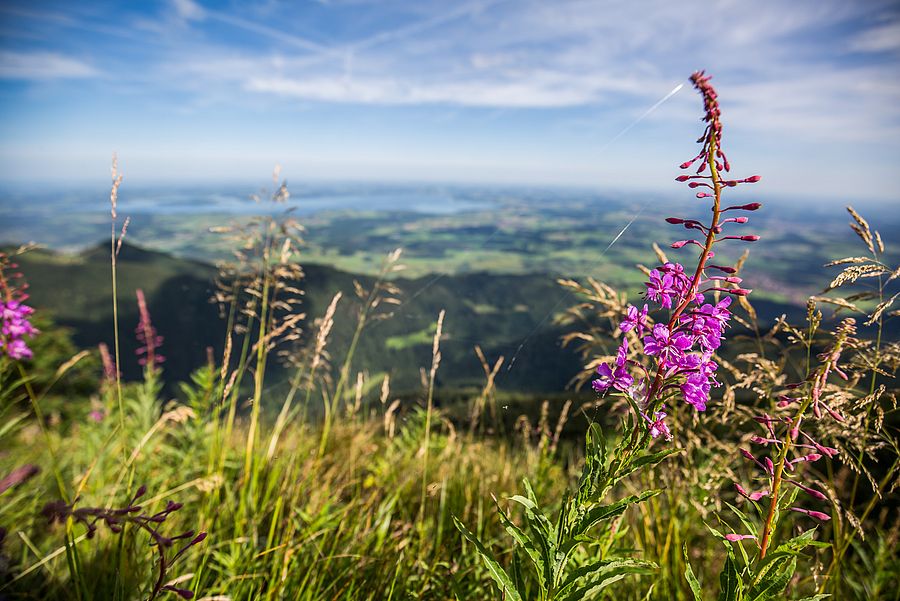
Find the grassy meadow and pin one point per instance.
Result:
(318, 451)
(337, 489)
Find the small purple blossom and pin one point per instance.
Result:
(696, 391)
(619, 379)
(658, 426)
(661, 288)
(667, 346)
(622, 353)
(635, 319)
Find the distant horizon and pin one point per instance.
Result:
(246, 185)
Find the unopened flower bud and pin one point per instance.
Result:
(813, 514)
(723, 268)
(737, 537)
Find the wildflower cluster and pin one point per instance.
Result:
(682, 347)
(116, 520)
(15, 324)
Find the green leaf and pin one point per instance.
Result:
(599, 575)
(650, 459)
(534, 553)
(604, 567)
(818, 597)
(691, 579)
(732, 586)
(506, 584)
(773, 579)
(535, 517)
(798, 543)
(605, 512)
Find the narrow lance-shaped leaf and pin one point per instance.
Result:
(691, 578)
(534, 553)
(603, 569)
(503, 580)
(603, 576)
(773, 579)
(606, 512)
(732, 586)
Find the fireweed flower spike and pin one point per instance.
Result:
(678, 350)
(790, 447)
(15, 324)
(147, 336)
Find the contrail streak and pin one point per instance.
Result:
(627, 225)
(659, 102)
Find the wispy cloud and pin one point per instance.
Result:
(431, 78)
(42, 66)
(881, 38)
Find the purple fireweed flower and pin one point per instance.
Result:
(14, 328)
(707, 324)
(635, 319)
(622, 353)
(658, 425)
(696, 390)
(619, 379)
(667, 346)
(738, 537)
(661, 288)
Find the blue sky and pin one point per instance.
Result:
(482, 91)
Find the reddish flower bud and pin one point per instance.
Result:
(737, 537)
(810, 491)
(674, 220)
(753, 206)
(752, 180)
(682, 178)
(813, 514)
(764, 441)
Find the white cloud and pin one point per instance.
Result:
(535, 89)
(188, 10)
(883, 38)
(42, 65)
